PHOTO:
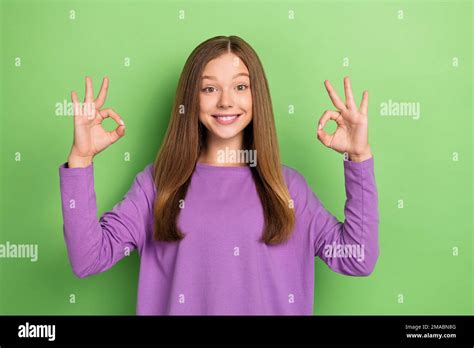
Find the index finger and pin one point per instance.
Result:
(334, 97)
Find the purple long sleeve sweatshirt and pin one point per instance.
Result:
(220, 267)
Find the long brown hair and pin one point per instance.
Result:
(185, 138)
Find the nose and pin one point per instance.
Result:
(225, 100)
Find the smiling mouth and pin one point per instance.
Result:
(229, 117)
(226, 119)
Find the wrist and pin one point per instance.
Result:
(75, 161)
(360, 157)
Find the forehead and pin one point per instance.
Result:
(226, 66)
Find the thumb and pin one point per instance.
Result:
(324, 137)
(116, 134)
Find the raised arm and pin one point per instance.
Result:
(95, 245)
(350, 247)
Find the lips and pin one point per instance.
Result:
(226, 118)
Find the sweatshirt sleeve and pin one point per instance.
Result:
(350, 247)
(95, 245)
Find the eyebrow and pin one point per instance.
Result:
(214, 78)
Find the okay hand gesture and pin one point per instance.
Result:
(90, 137)
(351, 135)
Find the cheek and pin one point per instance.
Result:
(205, 107)
(248, 109)
(204, 104)
(245, 102)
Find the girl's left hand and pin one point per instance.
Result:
(351, 135)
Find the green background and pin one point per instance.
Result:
(407, 59)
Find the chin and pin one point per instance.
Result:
(225, 134)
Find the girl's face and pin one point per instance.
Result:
(225, 97)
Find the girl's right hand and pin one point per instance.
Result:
(90, 137)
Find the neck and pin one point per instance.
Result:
(216, 150)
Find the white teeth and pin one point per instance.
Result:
(227, 118)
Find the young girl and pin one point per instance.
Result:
(221, 236)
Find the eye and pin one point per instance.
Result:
(243, 85)
(206, 89)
